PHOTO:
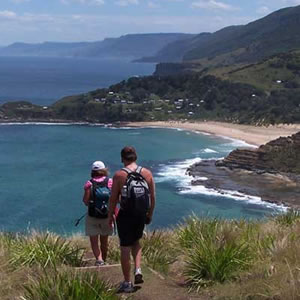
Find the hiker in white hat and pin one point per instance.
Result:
(96, 196)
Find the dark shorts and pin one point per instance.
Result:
(130, 228)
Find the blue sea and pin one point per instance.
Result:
(43, 167)
(43, 80)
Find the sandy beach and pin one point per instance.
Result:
(255, 135)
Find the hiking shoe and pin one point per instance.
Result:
(138, 276)
(125, 287)
(99, 263)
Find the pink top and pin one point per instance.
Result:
(88, 184)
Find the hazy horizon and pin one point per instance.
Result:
(34, 21)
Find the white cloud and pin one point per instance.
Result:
(214, 5)
(20, 1)
(263, 10)
(126, 2)
(292, 2)
(88, 2)
(33, 28)
(152, 4)
(7, 14)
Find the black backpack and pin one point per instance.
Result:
(135, 195)
(98, 204)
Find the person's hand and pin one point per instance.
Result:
(111, 221)
(148, 219)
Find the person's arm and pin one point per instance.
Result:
(86, 196)
(114, 197)
(152, 197)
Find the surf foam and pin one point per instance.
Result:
(177, 174)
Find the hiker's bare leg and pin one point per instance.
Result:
(136, 251)
(104, 246)
(95, 247)
(125, 262)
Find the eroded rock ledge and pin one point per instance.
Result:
(271, 171)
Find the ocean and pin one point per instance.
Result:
(43, 80)
(43, 167)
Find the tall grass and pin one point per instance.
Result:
(114, 255)
(289, 218)
(194, 229)
(69, 285)
(159, 250)
(215, 250)
(44, 250)
(213, 260)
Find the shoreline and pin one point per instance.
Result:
(254, 135)
(250, 134)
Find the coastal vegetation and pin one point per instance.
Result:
(192, 96)
(216, 258)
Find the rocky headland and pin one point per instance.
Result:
(271, 171)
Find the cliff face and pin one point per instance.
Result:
(280, 155)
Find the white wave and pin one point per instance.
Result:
(238, 143)
(201, 132)
(177, 174)
(127, 128)
(200, 189)
(207, 150)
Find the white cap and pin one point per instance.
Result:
(98, 165)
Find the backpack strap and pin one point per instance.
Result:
(139, 169)
(105, 181)
(92, 188)
(128, 171)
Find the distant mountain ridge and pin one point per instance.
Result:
(132, 46)
(175, 51)
(275, 33)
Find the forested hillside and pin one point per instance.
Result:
(188, 96)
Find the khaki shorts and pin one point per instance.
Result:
(94, 226)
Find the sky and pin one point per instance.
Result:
(36, 21)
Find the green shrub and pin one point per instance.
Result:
(215, 249)
(44, 250)
(69, 285)
(213, 260)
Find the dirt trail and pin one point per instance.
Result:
(155, 287)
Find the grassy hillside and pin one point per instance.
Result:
(278, 72)
(218, 259)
